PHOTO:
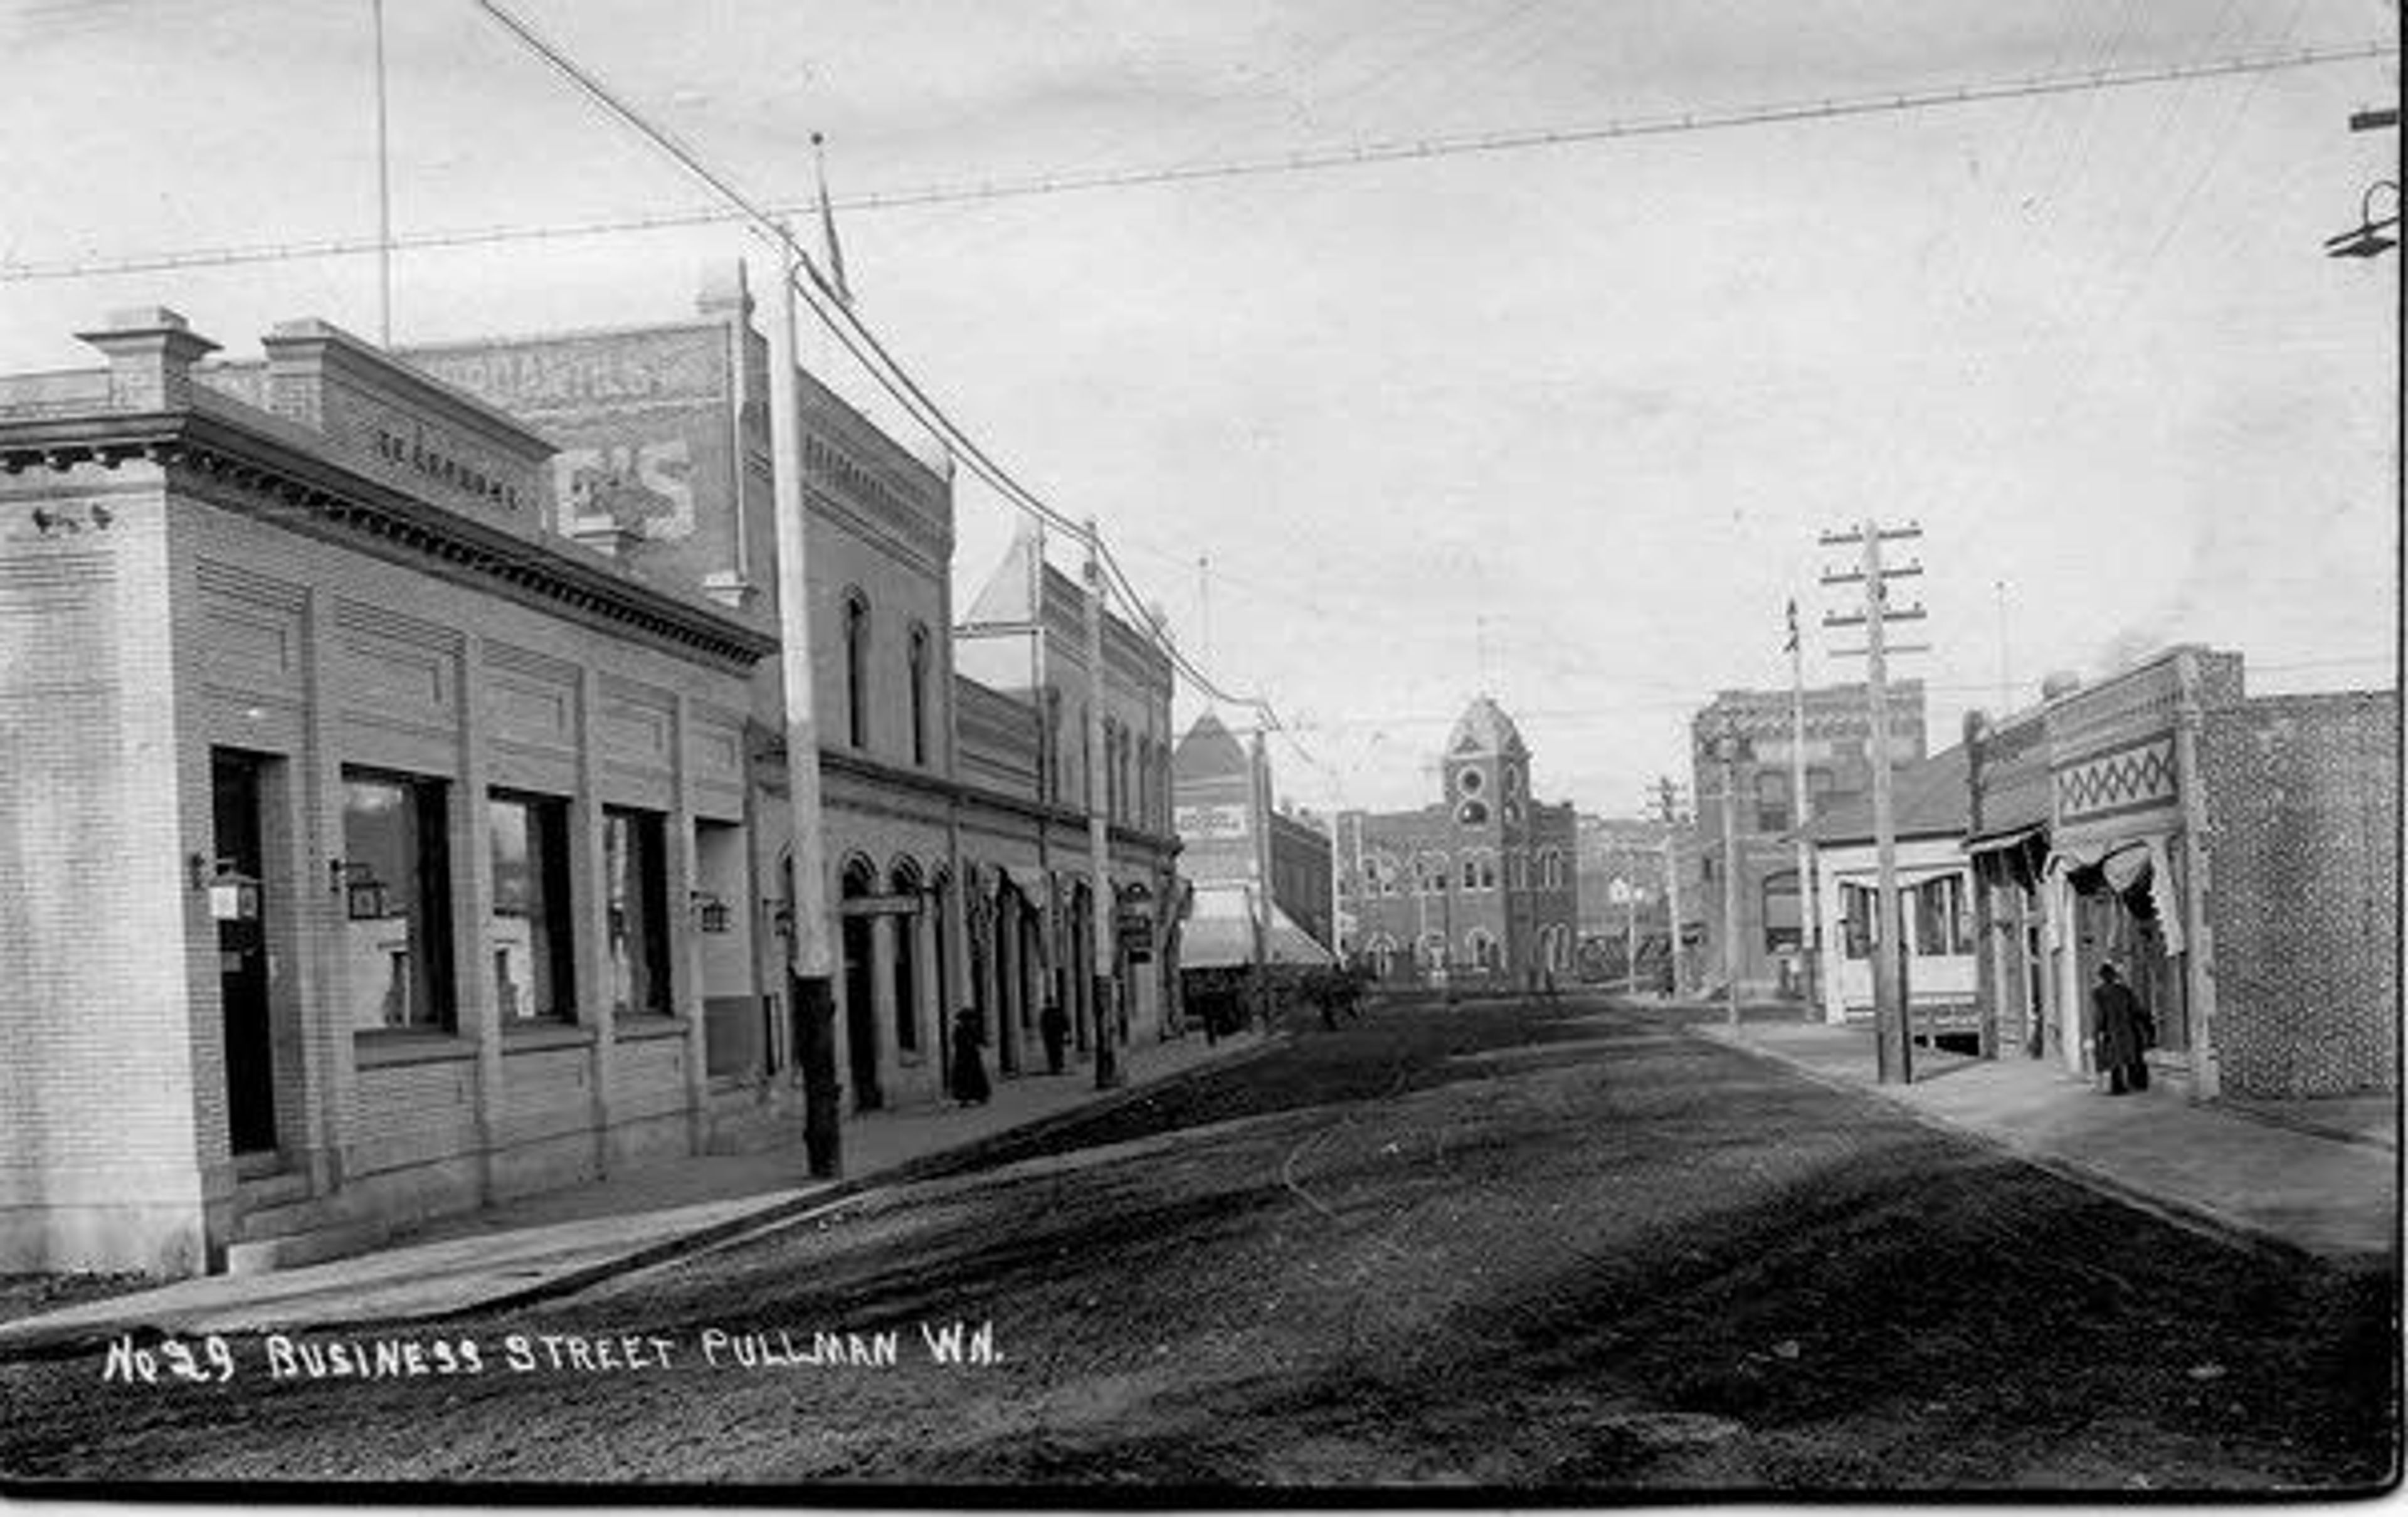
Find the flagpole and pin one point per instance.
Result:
(842, 291)
(384, 190)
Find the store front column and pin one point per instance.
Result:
(880, 1057)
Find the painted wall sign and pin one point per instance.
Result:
(1212, 821)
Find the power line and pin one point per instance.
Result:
(1299, 161)
(843, 322)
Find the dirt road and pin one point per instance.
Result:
(1516, 1246)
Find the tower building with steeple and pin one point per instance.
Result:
(1481, 885)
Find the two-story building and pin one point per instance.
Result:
(1481, 886)
(395, 803)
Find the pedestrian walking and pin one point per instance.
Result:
(2123, 1031)
(968, 1080)
(1054, 1028)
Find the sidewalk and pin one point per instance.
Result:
(2266, 1176)
(560, 1241)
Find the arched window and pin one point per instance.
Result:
(918, 668)
(857, 669)
(1551, 870)
(1488, 872)
(1471, 873)
(1480, 948)
(904, 971)
(1382, 953)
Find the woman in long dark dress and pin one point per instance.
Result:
(968, 1080)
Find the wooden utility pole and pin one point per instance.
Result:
(1666, 793)
(1630, 926)
(1727, 745)
(814, 999)
(1258, 914)
(1893, 1039)
(1100, 899)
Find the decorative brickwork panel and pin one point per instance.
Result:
(2141, 777)
(2303, 801)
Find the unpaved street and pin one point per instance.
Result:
(1540, 1245)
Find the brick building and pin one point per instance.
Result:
(396, 811)
(1481, 885)
(1234, 836)
(1024, 638)
(1768, 928)
(2236, 857)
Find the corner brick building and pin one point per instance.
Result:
(2236, 857)
(394, 808)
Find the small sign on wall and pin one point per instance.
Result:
(234, 897)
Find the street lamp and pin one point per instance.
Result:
(2367, 240)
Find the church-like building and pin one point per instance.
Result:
(1479, 886)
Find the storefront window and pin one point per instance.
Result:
(1857, 924)
(635, 873)
(529, 934)
(1941, 928)
(397, 901)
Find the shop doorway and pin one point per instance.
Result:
(239, 901)
(2119, 925)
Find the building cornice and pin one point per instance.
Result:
(261, 475)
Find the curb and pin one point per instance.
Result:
(70, 1343)
(2199, 1218)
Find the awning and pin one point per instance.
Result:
(1995, 842)
(1219, 934)
(2126, 861)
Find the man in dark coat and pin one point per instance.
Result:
(1053, 1026)
(969, 1079)
(2122, 1031)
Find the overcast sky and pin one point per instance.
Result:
(1584, 409)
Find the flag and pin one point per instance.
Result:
(1791, 646)
(827, 228)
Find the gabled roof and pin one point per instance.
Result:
(1929, 799)
(1209, 752)
(1005, 598)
